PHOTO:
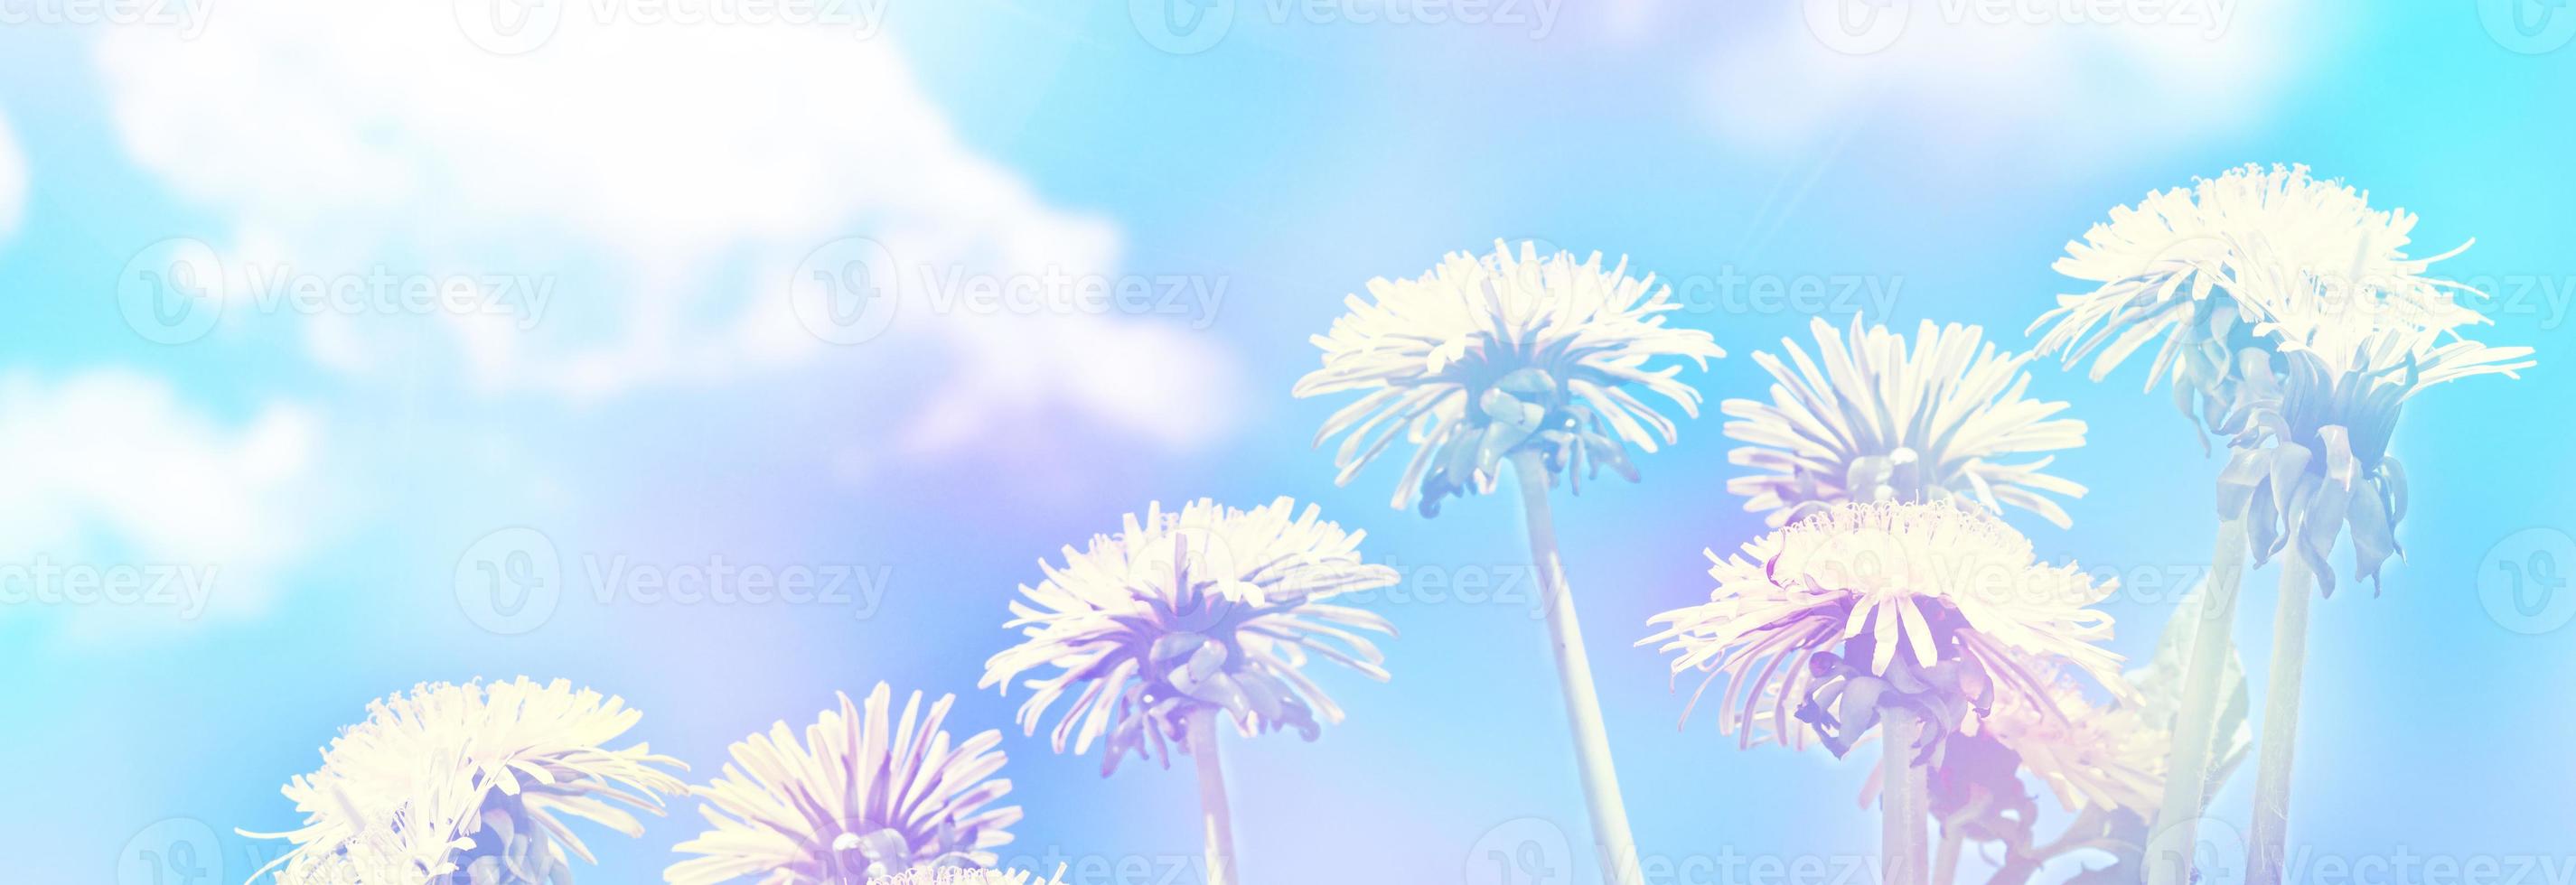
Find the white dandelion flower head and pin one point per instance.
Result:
(1862, 606)
(1870, 419)
(1486, 355)
(2313, 424)
(2187, 267)
(470, 783)
(1206, 608)
(962, 876)
(2097, 755)
(865, 794)
(2104, 761)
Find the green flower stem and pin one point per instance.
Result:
(1215, 819)
(2169, 846)
(1610, 833)
(1903, 796)
(2266, 851)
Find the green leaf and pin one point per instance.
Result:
(2160, 687)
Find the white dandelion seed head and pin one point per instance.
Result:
(458, 783)
(865, 794)
(2098, 755)
(962, 876)
(1870, 419)
(2191, 267)
(1860, 605)
(1200, 609)
(1488, 354)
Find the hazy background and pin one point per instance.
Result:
(637, 203)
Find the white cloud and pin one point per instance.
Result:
(2028, 80)
(13, 182)
(106, 478)
(665, 179)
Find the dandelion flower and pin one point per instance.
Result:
(1871, 421)
(2106, 762)
(2097, 755)
(1485, 354)
(2310, 459)
(1206, 607)
(864, 795)
(1864, 606)
(2236, 273)
(1918, 622)
(961, 876)
(1185, 616)
(1518, 357)
(2180, 265)
(2102, 762)
(2112, 755)
(2312, 443)
(470, 783)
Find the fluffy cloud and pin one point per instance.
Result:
(120, 507)
(2028, 80)
(669, 184)
(13, 182)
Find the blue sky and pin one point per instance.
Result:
(632, 210)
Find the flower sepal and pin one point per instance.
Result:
(1977, 793)
(1849, 700)
(2300, 497)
